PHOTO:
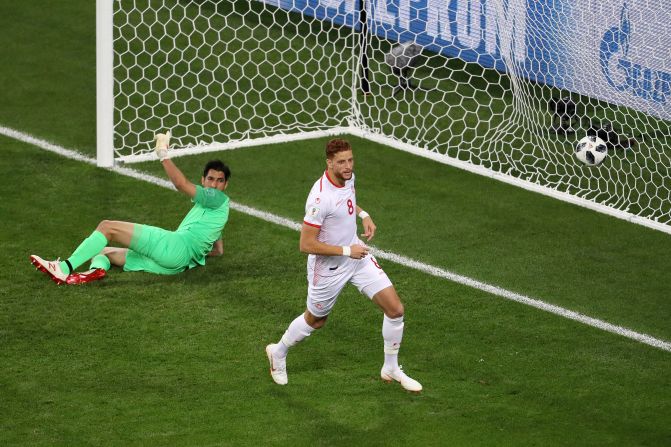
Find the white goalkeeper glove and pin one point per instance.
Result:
(162, 144)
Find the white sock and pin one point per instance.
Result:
(392, 333)
(296, 332)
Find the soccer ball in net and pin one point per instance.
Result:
(591, 150)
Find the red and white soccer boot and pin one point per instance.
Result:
(87, 276)
(399, 376)
(278, 366)
(51, 268)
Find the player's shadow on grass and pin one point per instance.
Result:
(342, 410)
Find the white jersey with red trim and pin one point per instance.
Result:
(332, 209)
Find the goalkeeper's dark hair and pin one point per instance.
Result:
(217, 165)
(337, 145)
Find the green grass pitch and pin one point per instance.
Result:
(143, 360)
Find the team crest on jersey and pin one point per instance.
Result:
(313, 211)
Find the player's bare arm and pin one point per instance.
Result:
(174, 174)
(310, 244)
(369, 226)
(178, 178)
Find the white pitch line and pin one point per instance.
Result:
(398, 259)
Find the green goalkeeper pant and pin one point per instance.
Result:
(155, 250)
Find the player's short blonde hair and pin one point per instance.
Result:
(337, 145)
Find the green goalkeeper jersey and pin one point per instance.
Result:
(202, 226)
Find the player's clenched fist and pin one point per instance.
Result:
(358, 251)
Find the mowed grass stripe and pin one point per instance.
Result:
(399, 259)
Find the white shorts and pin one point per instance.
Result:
(365, 274)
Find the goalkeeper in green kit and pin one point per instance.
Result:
(152, 249)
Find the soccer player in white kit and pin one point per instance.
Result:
(337, 256)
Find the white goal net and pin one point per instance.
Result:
(504, 88)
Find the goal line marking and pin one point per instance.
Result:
(398, 259)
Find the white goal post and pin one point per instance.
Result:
(502, 88)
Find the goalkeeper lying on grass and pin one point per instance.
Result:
(152, 249)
